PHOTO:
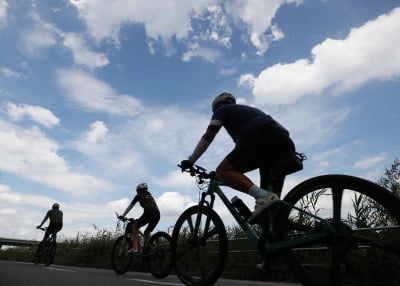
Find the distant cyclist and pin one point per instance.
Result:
(55, 215)
(259, 141)
(150, 216)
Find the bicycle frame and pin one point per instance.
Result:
(270, 247)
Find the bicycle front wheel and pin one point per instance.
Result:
(120, 259)
(159, 254)
(199, 246)
(363, 249)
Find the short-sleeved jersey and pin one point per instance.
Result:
(146, 201)
(55, 215)
(240, 121)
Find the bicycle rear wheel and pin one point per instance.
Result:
(38, 255)
(50, 253)
(199, 257)
(159, 254)
(365, 249)
(120, 259)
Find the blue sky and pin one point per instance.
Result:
(98, 96)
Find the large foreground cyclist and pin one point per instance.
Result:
(259, 142)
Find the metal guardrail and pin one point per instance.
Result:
(17, 242)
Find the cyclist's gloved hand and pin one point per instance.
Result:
(120, 217)
(186, 164)
(38, 227)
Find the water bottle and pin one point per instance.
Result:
(241, 207)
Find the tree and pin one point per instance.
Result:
(391, 180)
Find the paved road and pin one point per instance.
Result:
(27, 274)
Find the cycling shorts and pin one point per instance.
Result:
(265, 146)
(150, 217)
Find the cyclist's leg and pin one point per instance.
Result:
(233, 178)
(135, 236)
(154, 218)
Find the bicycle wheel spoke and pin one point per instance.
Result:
(160, 257)
(337, 194)
(190, 223)
(199, 251)
(120, 260)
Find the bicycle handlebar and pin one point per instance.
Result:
(124, 219)
(198, 172)
(42, 228)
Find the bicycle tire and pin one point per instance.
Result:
(49, 254)
(356, 255)
(120, 259)
(199, 260)
(38, 255)
(159, 254)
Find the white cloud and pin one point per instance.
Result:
(98, 131)
(3, 13)
(29, 154)
(369, 162)
(196, 50)
(38, 114)
(161, 19)
(180, 20)
(172, 204)
(369, 52)
(40, 36)
(95, 95)
(82, 55)
(9, 73)
(258, 15)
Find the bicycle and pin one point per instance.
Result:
(314, 229)
(46, 249)
(155, 253)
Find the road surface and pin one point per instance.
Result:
(27, 274)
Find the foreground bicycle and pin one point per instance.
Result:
(155, 253)
(46, 249)
(330, 230)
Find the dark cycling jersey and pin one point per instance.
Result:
(241, 121)
(55, 215)
(146, 201)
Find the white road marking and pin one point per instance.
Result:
(156, 282)
(59, 269)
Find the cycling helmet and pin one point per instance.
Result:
(55, 206)
(141, 187)
(223, 98)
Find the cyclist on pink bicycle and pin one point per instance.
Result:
(150, 216)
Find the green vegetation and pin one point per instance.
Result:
(88, 250)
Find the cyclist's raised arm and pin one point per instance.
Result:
(130, 206)
(202, 145)
(43, 221)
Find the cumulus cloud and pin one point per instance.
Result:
(38, 114)
(258, 15)
(369, 52)
(98, 131)
(29, 154)
(185, 21)
(162, 20)
(94, 95)
(83, 56)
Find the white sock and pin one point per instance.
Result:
(257, 192)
